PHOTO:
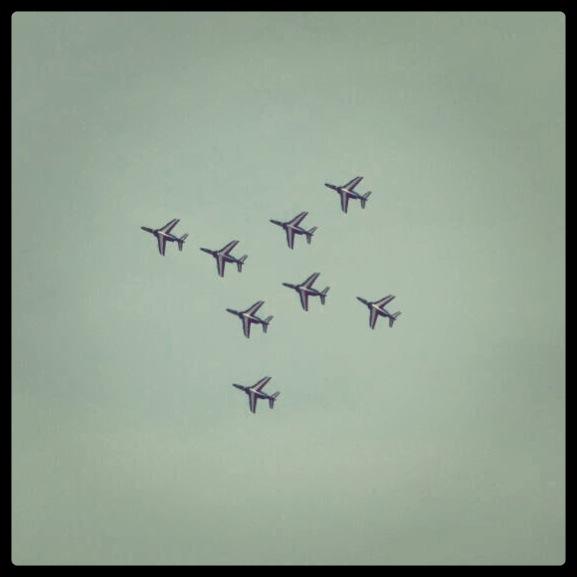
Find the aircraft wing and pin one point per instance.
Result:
(290, 237)
(220, 264)
(170, 225)
(252, 400)
(246, 326)
(297, 219)
(344, 201)
(373, 318)
(161, 244)
(384, 301)
(229, 247)
(304, 300)
(254, 308)
(310, 281)
(351, 185)
(261, 384)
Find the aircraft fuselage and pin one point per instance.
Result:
(252, 318)
(167, 235)
(297, 229)
(343, 190)
(309, 290)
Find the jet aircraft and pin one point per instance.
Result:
(293, 227)
(255, 392)
(377, 308)
(163, 235)
(348, 191)
(223, 256)
(305, 289)
(249, 317)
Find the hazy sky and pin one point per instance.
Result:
(439, 441)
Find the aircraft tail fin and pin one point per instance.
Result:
(265, 323)
(272, 399)
(324, 295)
(181, 240)
(310, 234)
(240, 262)
(364, 199)
(393, 318)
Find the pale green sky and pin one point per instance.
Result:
(440, 441)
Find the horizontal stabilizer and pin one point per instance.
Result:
(181, 240)
(272, 399)
(364, 199)
(240, 262)
(393, 318)
(266, 322)
(324, 295)
(310, 234)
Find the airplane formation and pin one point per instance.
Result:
(305, 289)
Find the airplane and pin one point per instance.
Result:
(348, 191)
(292, 227)
(255, 392)
(223, 256)
(377, 309)
(248, 317)
(305, 290)
(163, 235)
